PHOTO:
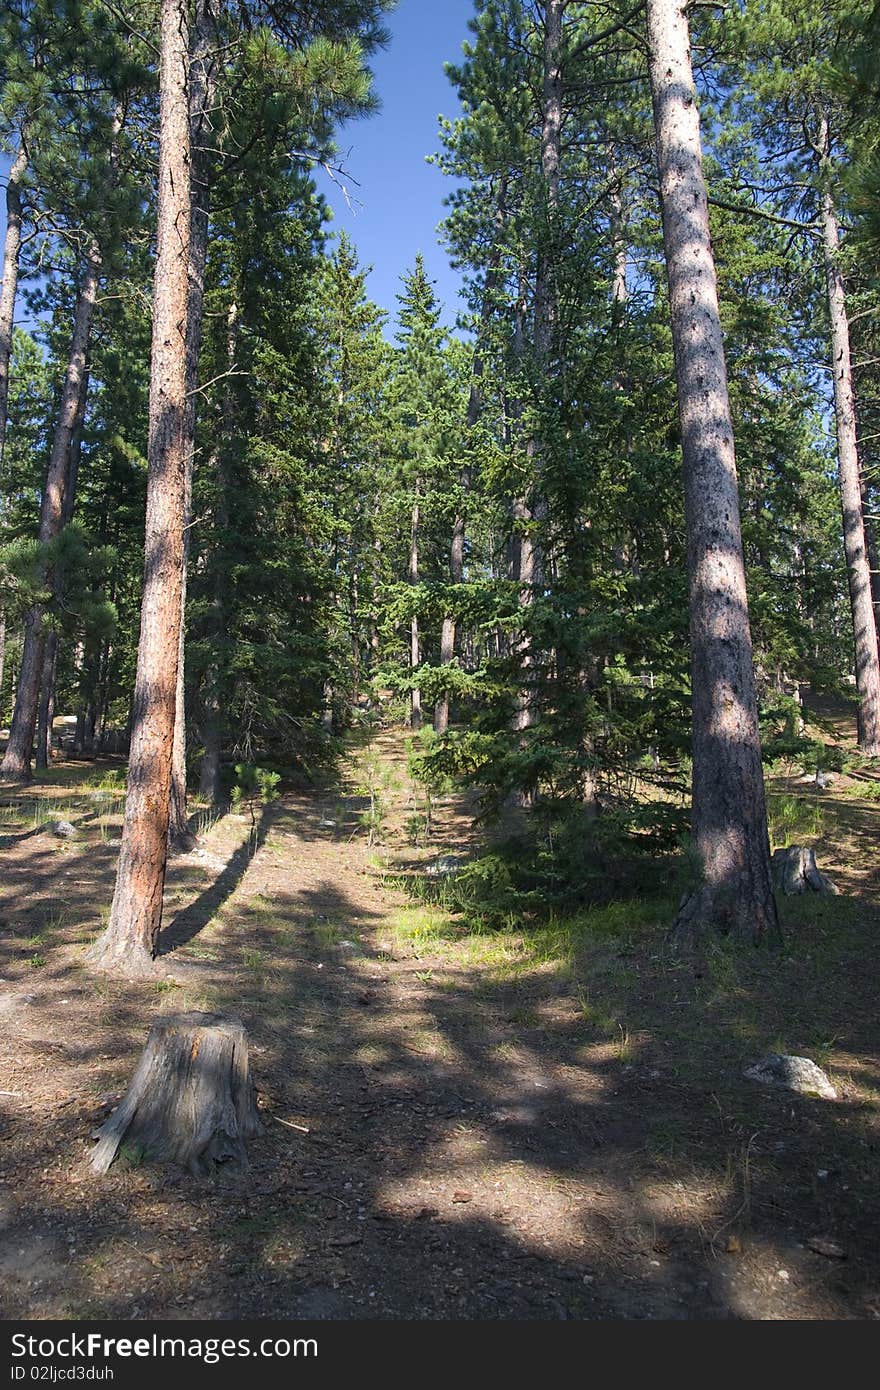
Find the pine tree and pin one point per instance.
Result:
(729, 816)
(129, 943)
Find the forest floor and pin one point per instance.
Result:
(517, 1125)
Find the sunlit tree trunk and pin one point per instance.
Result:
(9, 288)
(201, 96)
(456, 552)
(130, 941)
(528, 509)
(729, 817)
(867, 659)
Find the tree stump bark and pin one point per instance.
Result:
(191, 1101)
(795, 871)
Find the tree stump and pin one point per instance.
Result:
(191, 1101)
(795, 871)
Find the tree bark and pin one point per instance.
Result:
(9, 288)
(8, 294)
(2, 660)
(551, 167)
(729, 816)
(46, 711)
(201, 95)
(16, 765)
(475, 403)
(867, 658)
(447, 635)
(191, 1101)
(873, 563)
(130, 941)
(528, 512)
(415, 651)
(795, 871)
(209, 774)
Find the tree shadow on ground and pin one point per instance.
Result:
(188, 923)
(483, 1132)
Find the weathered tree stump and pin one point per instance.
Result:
(191, 1101)
(795, 871)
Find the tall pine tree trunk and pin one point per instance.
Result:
(528, 510)
(130, 941)
(201, 97)
(415, 651)
(873, 560)
(2, 660)
(46, 710)
(867, 659)
(8, 293)
(16, 765)
(456, 550)
(9, 287)
(447, 635)
(212, 727)
(729, 816)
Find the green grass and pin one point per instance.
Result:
(860, 791)
(793, 820)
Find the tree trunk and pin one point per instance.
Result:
(867, 659)
(415, 652)
(2, 660)
(46, 711)
(209, 775)
(9, 288)
(873, 562)
(130, 941)
(795, 871)
(619, 287)
(528, 512)
(16, 765)
(8, 294)
(201, 96)
(447, 636)
(551, 165)
(729, 816)
(456, 552)
(191, 1101)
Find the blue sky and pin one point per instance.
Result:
(398, 200)
(400, 196)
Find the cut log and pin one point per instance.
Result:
(795, 871)
(191, 1101)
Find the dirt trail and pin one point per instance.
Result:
(447, 1132)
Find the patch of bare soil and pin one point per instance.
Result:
(455, 1127)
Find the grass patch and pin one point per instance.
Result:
(793, 820)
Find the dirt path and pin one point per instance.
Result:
(452, 1131)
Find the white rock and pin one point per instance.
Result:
(792, 1074)
(64, 830)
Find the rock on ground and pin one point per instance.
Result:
(793, 1074)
